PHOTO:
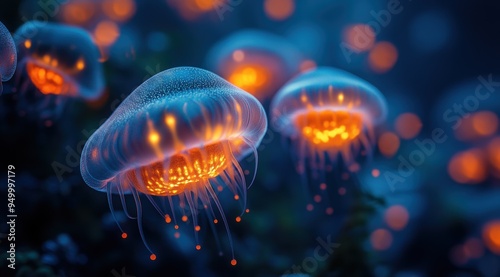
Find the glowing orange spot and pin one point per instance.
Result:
(168, 219)
(206, 5)
(198, 247)
(383, 57)
(238, 219)
(184, 218)
(106, 33)
(388, 144)
(236, 197)
(124, 235)
(491, 236)
(468, 167)
(322, 186)
(247, 210)
(494, 154)
(152, 257)
(46, 80)
(381, 239)
(77, 12)
(375, 173)
(119, 10)
(80, 64)
(317, 198)
(197, 228)
(238, 55)
(485, 123)
(189, 168)
(396, 217)
(154, 138)
(326, 129)
(408, 125)
(307, 65)
(250, 78)
(329, 211)
(309, 207)
(279, 9)
(233, 262)
(216, 221)
(27, 44)
(177, 235)
(359, 37)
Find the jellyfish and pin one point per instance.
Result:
(177, 139)
(8, 56)
(328, 114)
(57, 63)
(255, 61)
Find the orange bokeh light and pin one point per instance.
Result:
(491, 236)
(106, 33)
(381, 239)
(119, 10)
(408, 125)
(396, 217)
(388, 144)
(78, 12)
(279, 9)
(383, 57)
(359, 37)
(477, 125)
(468, 167)
(251, 78)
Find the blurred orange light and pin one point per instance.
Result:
(491, 236)
(77, 12)
(381, 239)
(468, 167)
(477, 125)
(119, 10)
(279, 9)
(396, 217)
(106, 33)
(388, 144)
(408, 125)
(383, 57)
(359, 37)
(250, 78)
(307, 65)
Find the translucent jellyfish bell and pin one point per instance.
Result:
(179, 137)
(8, 56)
(328, 112)
(58, 62)
(255, 61)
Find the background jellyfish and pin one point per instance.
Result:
(178, 137)
(8, 56)
(255, 61)
(327, 112)
(57, 62)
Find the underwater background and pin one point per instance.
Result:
(425, 203)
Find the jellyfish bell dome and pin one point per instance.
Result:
(8, 55)
(180, 118)
(326, 90)
(256, 61)
(60, 59)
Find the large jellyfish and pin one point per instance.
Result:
(327, 113)
(177, 138)
(255, 61)
(8, 56)
(60, 62)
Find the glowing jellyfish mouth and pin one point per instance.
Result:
(176, 174)
(329, 128)
(249, 77)
(47, 80)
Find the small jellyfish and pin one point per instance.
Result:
(328, 113)
(60, 62)
(8, 56)
(255, 61)
(177, 139)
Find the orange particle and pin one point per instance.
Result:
(396, 217)
(247, 210)
(198, 247)
(359, 37)
(491, 236)
(408, 125)
(176, 227)
(388, 144)
(279, 9)
(322, 186)
(177, 235)
(375, 173)
(152, 257)
(317, 198)
(309, 207)
(168, 219)
(238, 219)
(184, 218)
(383, 57)
(238, 55)
(197, 228)
(485, 123)
(381, 239)
(106, 33)
(233, 262)
(216, 221)
(124, 235)
(468, 167)
(236, 197)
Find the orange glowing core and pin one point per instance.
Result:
(329, 128)
(189, 168)
(250, 78)
(46, 80)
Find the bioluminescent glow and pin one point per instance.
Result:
(8, 56)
